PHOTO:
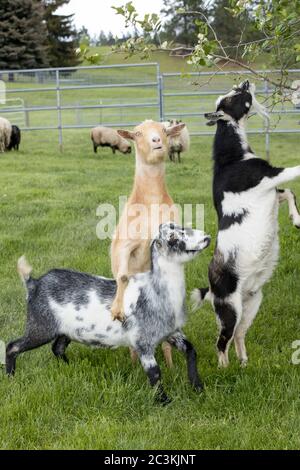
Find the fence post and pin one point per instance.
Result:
(160, 94)
(26, 115)
(59, 117)
(267, 124)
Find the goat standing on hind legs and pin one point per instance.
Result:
(246, 200)
(148, 206)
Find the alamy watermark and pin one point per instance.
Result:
(142, 221)
(296, 353)
(2, 352)
(2, 92)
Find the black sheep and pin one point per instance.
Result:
(15, 138)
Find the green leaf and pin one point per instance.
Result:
(119, 10)
(130, 8)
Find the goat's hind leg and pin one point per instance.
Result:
(182, 344)
(59, 347)
(290, 197)
(250, 308)
(21, 345)
(228, 313)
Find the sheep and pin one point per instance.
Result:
(179, 143)
(130, 253)
(246, 201)
(65, 306)
(107, 137)
(5, 134)
(15, 138)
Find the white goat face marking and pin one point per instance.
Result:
(247, 104)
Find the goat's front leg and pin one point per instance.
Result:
(117, 308)
(280, 176)
(289, 196)
(182, 344)
(153, 372)
(122, 278)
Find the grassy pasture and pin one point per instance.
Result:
(48, 207)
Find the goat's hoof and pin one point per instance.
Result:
(117, 312)
(64, 359)
(244, 363)
(199, 388)
(118, 315)
(223, 361)
(163, 400)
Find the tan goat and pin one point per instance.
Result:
(148, 206)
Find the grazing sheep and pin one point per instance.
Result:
(5, 134)
(15, 138)
(179, 143)
(107, 137)
(65, 306)
(246, 200)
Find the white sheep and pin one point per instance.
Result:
(179, 143)
(107, 137)
(5, 134)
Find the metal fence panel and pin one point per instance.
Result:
(125, 94)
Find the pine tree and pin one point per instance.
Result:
(231, 29)
(62, 37)
(102, 39)
(181, 28)
(22, 35)
(110, 39)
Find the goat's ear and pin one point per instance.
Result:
(245, 85)
(175, 130)
(126, 134)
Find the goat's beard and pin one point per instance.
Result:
(259, 108)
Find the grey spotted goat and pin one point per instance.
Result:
(65, 306)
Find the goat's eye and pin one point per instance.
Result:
(138, 134)
(164, 130)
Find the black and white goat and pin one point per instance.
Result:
(246, 201)
(65, 305)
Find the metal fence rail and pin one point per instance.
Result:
(123, 95)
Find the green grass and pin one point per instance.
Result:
(48, 207)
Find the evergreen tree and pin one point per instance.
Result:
(110, 39)
(22, 35)
(181, 28)
(83, 36)
(231, 29)
(62, 36)
(102, 39)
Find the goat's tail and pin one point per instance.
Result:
(198, 296)
(24, 270)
